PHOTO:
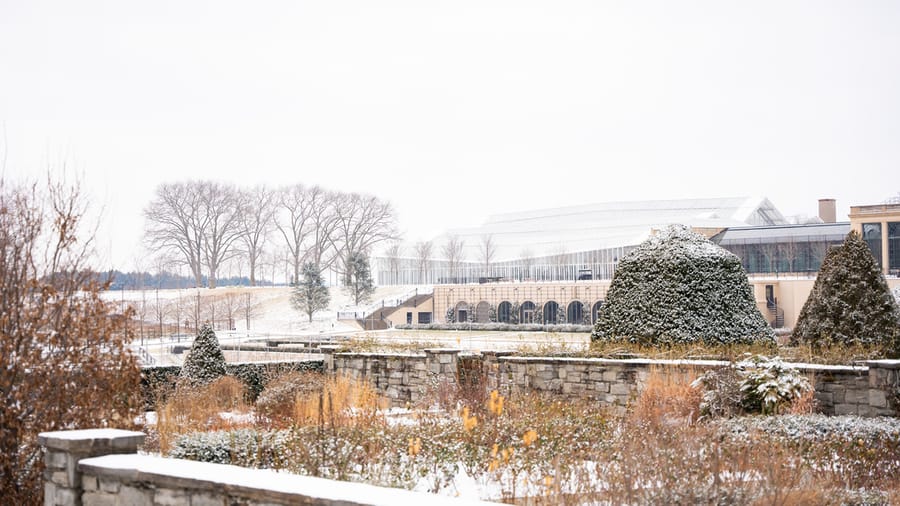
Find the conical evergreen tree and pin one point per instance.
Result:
(678, 287)
(205, 362)
(850, 301)
(310, 293)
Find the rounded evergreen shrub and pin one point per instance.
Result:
(678, 287)
(850, 302)
(205, 361)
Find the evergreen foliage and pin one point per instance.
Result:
(205, 361)
(451, 315)
(850, 302)
(358, 281)
(310, 294)
(678, 287)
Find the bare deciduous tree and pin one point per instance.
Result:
(527, 256)
(257, 221)
(324, 223)
(293, 222)
(177, 223)
(200, 220)
(64, 356)
(487, 249)
(362, 222)
(393, 254)
(223, 206)
(454, 253)
(423, 259)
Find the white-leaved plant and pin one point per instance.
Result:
(756, 384)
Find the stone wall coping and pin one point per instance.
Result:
(259, 484)
(373, 354)
(884, 364)
(612, 361)
(442, 350)
(91, 439)
(700, 363)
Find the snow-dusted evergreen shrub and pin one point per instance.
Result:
(768, 385)
(896, 293)
(205, 362)
(756, 384)
(850, 302)
(451, 315)
(678, 287)
(492, 314)
(242, 447)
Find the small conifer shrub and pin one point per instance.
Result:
(678, 287)
(205, 361)
(850, 302)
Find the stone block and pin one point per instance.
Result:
(856, 397)
(134, 496)
(60, 478)
(55, 460)
(446, 358)
(610, 376)
(49, 493)
(825, 399)
(207, 499)
(845, 409)
(619, 389)
(89, 483)
(595, 376)
(877, 398)
(65, 496)
(110, 485)
(171, 497)
(97, 498)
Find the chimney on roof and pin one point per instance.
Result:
(827, 211)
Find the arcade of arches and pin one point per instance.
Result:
(549, 303)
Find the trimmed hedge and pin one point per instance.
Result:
(157, 380)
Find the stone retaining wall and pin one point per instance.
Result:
(866, 390)
(100, 468)
(401, 378)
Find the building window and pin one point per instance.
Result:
(424, 318)
(894, 245)
(871, 233)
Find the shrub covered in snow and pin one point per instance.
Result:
(205, 362)
(850, 302)
(243, 447)
(896, 293)
(678, 287)
(756, 384)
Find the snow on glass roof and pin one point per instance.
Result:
(607, 225)
(830, 232)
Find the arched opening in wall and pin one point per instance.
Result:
(551, 310)
(483, 312)
(526, 312)
(462, 311)
(504, 311)
(575, 312)
(595, 311)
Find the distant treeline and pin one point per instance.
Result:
(146, 280)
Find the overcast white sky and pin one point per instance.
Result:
(454, 110)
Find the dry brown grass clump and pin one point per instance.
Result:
(668, 397)
(301, 399)
(197, 409)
